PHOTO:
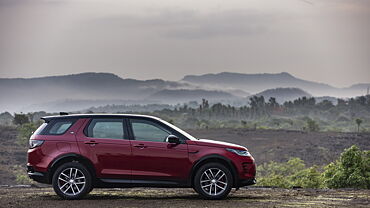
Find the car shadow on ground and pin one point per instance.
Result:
(193, 197)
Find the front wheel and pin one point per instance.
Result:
(72, 181)
(213, 181)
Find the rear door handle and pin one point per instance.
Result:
(140, 146)
(92, 143)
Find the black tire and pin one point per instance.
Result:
(203, 192)
(78, 171)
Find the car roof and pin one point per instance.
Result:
(77, 116)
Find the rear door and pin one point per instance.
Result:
(105, 142)
(154, 158)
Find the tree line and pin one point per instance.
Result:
(304, 113)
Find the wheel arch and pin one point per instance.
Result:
(218, 159)
(70, 157)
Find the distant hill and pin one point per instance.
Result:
(20, 94)
(283, 94)
(360, 86)
(184, 95)
(82, 91)
(237, 92)
(129, 108)
(81, 105)
(255, 83)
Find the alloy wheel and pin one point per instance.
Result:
(213, 181)
(71, 181)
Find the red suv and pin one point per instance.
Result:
(76, 153)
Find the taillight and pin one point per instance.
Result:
(35, 143)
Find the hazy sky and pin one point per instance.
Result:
(320, 40)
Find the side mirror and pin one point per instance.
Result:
(172, 139)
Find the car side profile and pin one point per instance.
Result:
(76, 153)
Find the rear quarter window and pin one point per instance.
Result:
(55, 127)
(40, 129)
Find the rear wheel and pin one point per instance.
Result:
(72, 181)
(213, 181)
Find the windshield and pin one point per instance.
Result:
(178, 129)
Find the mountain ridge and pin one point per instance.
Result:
(256, 83)
(25, 94)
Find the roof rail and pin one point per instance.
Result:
(63, 113)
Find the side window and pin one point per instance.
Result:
(106, 128)
(148, 131)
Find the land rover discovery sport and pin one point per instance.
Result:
(76, 153)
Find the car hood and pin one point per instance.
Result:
(213, 143)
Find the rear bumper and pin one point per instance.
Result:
(40, 177)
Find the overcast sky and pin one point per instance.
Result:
(319, 40)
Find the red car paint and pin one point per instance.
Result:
(132, 160)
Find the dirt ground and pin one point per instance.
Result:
(154, 197)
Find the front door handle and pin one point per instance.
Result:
(140, 146)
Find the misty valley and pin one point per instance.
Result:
(273, 116)
(113, 102)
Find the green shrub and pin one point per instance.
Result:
(308, 178)
(352, 170)
(289, 174)
(25, 131)
(20, 119)
(311, 125)
(21, 175)
(275, 181)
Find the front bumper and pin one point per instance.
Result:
(247, 182)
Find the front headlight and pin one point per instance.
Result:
(35, 143)
(239, 152)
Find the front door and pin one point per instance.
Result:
(105, 142)
(154, 158)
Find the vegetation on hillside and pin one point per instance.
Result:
(304, 114)
(301, 114)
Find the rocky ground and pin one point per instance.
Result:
(154, 197)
